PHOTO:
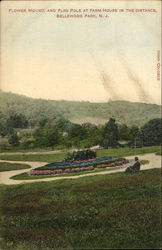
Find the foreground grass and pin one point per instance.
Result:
(117, 152)
(6, 166)
(117, 211)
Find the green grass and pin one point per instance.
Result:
(35, 157)
(25, 176)
(11, 149)
(119, 152)
(6, 166)
(159, 151)
(18, 149)
(116, 211)
(144, 162)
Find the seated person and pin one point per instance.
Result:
(135, 167)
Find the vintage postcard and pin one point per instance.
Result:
(80, 124)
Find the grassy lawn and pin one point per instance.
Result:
(159, 151)
(5, 166)
(35, 157)
(15, 149)
(119, 152)
(25, 176)
(116, 211)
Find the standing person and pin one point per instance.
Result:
(135, 167)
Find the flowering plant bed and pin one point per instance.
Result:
(60, 171)
(91, 162)
(71, 169)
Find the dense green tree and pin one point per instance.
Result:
(127, 133)
(93, 134)
(150, 134)
(84, 136)
(42, 122)
(47, 134)
(27, 143)
(77, 131)
(2, 125)
(2, 129)
(14, 139)
(52, 137)
(63, 124)
(134, 130)
(17, 121)
(110, 134)
(5, 130)
(124, 132)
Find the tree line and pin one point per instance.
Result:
(61, 132)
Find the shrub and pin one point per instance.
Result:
(81, 155)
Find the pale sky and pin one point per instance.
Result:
(89, 59)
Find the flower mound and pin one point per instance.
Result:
(69, 169)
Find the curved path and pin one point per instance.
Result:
(154, 162)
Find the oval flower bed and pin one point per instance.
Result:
(68, 169)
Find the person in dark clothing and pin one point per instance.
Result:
(135, 167)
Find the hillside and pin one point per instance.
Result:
(79, 112)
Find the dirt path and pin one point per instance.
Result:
(154, 162)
